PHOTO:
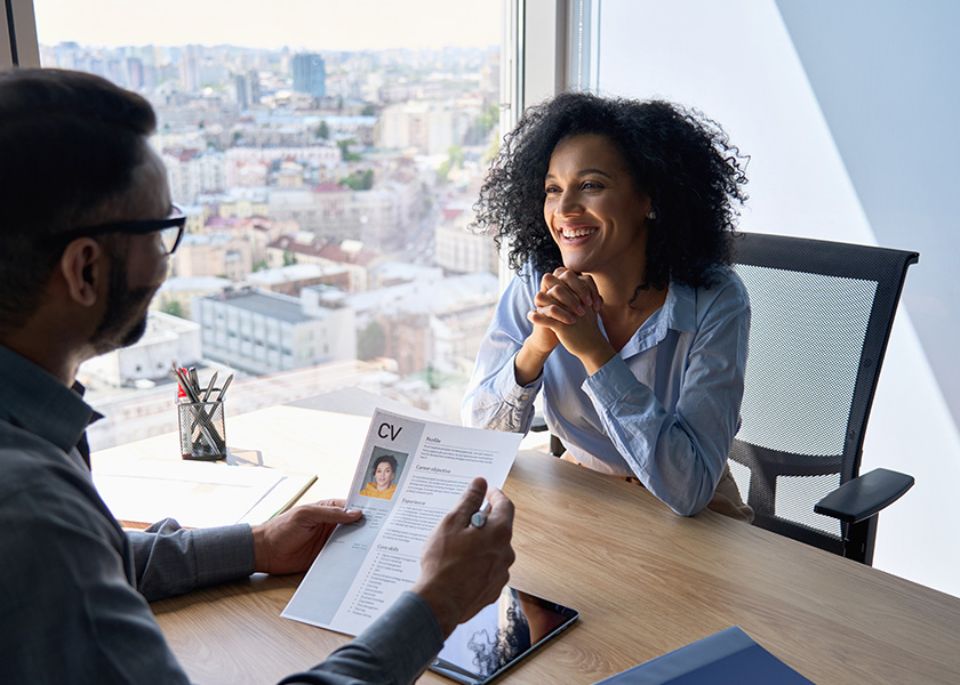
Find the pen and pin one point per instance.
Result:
(213, 379)
(223, 390)
(479, 518)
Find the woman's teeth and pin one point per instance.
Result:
(576, 232)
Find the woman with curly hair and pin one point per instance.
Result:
(619, 216)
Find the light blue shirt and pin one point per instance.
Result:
(664, 410)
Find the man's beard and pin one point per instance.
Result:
(123, 324)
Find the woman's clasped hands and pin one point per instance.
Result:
(568, 308)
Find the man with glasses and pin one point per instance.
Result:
(86, 232)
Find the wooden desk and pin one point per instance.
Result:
(645, 582)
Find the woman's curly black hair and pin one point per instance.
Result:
(681, 159)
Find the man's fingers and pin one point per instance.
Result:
(331, 503)
(501, 508)
(322, 513)
(470, 501)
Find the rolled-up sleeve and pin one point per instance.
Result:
(680, 455)
(494, 400)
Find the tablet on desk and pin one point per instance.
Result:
(501, 635)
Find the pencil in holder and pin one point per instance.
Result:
(202, 431)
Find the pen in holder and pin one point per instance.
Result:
(202, 431)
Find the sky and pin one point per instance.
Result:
(311, 24)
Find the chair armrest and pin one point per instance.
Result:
(862, 497)
(539, 424)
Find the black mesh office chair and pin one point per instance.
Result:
(821, 318)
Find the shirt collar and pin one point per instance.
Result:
(680, 308)
(678, 312)
(34, 400)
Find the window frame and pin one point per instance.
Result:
(19, 46)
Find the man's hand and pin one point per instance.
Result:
(463, 567)
(290, 542)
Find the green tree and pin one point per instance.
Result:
(173, 308)
(455, 153)
(345, 154)
(322, 131)
(454, 160)
(489, 118)
(371, 341)
(261, 264)
(289, 259)
(359, 180)
(369, 111)
(443, 171)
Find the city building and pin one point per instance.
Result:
(167, 340)
(309, 74)
(214, 254)
(290, 280)
(241, 90)
(177, 294)
(262, 332)
(386, 274)
(430, 128)
(237, 202)
(192, 172)
(380, 217)
(459, 249)
(433, 323)
(305, 248)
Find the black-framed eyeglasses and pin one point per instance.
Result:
(170, 229)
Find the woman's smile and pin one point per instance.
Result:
(593, 210)
(574, 235)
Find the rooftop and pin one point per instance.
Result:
(270, 305)
(347, 252)
(188, 283)
(436, 297)
(294, 272)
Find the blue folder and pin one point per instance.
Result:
(729, 657)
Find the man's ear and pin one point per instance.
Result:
(85, 268)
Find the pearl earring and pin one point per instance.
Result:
(652, 215)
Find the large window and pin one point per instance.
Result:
(327, 155)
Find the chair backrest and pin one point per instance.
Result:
(821, 318)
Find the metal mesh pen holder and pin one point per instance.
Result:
(202, 431)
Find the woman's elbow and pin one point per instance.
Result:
(692, 502)
(688, 509)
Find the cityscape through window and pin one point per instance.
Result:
(328, 192)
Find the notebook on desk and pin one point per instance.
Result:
(729, 657)
(196, 494)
